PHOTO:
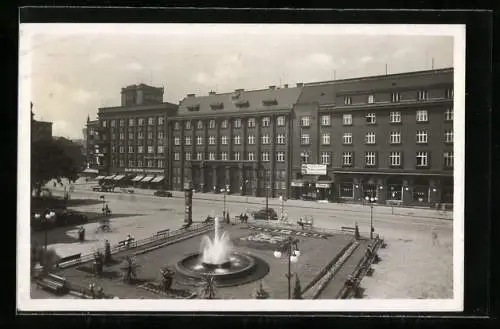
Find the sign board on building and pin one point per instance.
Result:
(144, 171)
(313, 169)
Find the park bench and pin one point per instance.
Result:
(348, 229)
(53, 283)
(305, 224)
(163, 232)
(69, 258)
(125, 243)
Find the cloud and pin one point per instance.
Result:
(100, 57)
(366, 59)
(225, 70)
(82, 96)
(402, 52)
(320, 59)
(134, 66)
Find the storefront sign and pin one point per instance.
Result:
(323, 185)
(144, 171)
(313, 169)
(297, 184)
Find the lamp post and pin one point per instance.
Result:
(282, 199)
(225, 191)
(103, 202)
(45, 221)
(291, 249)
(371, 201)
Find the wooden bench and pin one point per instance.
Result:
(348, 229)
(69, 258)
(53, 283)
(163, 232)
(126, 243)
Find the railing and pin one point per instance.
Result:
(160, 235)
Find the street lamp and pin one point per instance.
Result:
(371, 201)
(45, 221)
(282, 199)
(225, 191)
(291, 249)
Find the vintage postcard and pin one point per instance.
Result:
(206, 167)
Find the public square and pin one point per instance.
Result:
(417, 262)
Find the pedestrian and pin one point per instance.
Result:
(107, 252)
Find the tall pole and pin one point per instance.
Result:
(267, 201)
(371, 221)
(289, 269)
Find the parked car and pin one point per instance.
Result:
(163, 193)
(261, 214)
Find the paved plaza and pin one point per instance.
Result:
(414, 264)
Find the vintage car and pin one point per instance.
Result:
(163, 193)
(262, 214)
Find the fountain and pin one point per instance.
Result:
(218, 259)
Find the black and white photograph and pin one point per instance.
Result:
(241, 167)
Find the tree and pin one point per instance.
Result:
(297, 291)
(49, 160)
(72, 150)
(129, 269)
(167, 278)
(208, 287)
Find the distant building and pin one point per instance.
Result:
(40, 130)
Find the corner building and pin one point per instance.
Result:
(237, 141)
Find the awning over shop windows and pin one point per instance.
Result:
(118, 177)
(297, 183)
(109, 177)
(147, 179)
(90, 171)
(324, 184)
(158, 179)
(138, 178)
(99, 177)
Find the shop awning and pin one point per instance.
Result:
(138, 178)
(99, 177)
(324, 184)
(90, 171)
(119, 177)
(297, 183)
(147, 179)
(158, 179)
(109, 177)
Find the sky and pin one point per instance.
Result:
(73, 74)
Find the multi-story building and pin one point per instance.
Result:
(40, 130)
(237, 141)
(132, 138)
(94, 157)
(389, 137)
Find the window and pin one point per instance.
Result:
(151, 121)
(280, 156)
(237, 123)
(130, 149)
(141, 122)
(160, 135)
(160, 149)
(199, 156)
(223, 156)
(265, 156)
(347, 100)
(150, 135)
(199, 124)
(370, 138)
(177, 140)
(280, 121)
(150, 149)
(395, 159)
(325, 158)
(177, 126)
(131, 122)
(122, 149)
(448, 114)
(104, 123)
(325, 120)
(251, 123)
(370, 158)
(113, 123)
(237, 140)
(280, 139)
(266, 121)
(211, 124)
(211, 156)
(140, 164)
(236, 156)
(449, 93)
(199, 140)
(122, 122)
(161, 164)
(122, 163)
(265, 139)
(187, 140)
(448, 136)
(251, 156)
(395, 137)
(422, 159)
(422, 116)
(223, 124)
(150, 163)
(347, 119)
(130, 135)
(161, 121)
(422, 95)
(347, 159)
(187, 125)
(304, 157)
(211, 140)
(371, 99)
(448, 159)
(347, 138)
(395, 117)
(140, 149)
(305, 121)
(304, 139)
(224, 140)
(371, 118)
(395, 97)
(325, 139)
(187, 156)
(140, 135)
(130, 163)
(422, 136)
(122, 135)
(251, 139)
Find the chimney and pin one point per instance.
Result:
(285, 86)
(272, 87)
(300, 84)
(191, 95)
(211, 93)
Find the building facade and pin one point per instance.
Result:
(40, 130)
(387, 137)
